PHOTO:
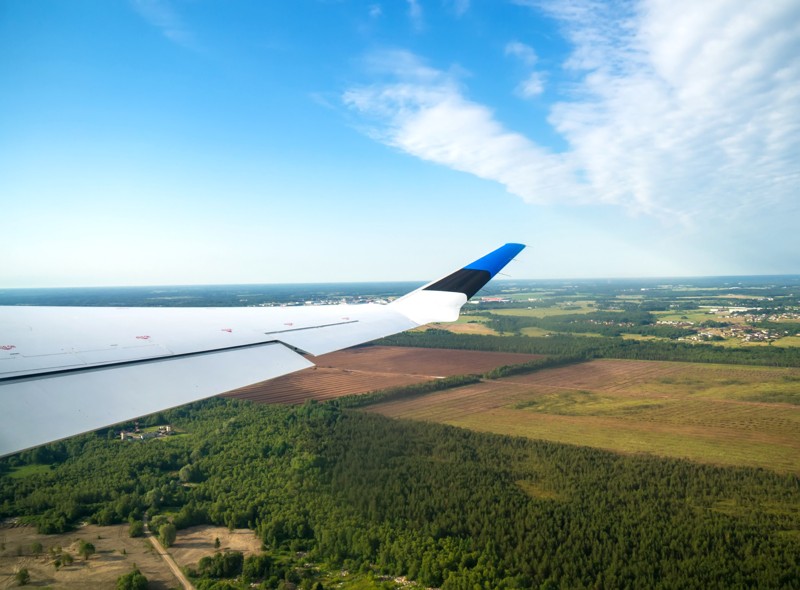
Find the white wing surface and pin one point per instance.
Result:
(68, 370)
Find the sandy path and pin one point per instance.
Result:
(166, 557)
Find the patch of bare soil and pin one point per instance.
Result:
(196, 542)
(321, 383)
(115, 554)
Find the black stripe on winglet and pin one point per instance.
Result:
(467, 281)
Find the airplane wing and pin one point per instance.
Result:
(69, 370)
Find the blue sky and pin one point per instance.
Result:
(198, 141)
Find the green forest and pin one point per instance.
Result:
(450, 508)
(588, 347)
(603, 323)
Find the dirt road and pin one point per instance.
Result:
(166, 557)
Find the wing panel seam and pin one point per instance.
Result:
(106, 366)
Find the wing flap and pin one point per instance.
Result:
(52, 407)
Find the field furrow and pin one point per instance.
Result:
(372, 368)
(711, 413)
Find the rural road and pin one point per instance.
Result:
(166, 557)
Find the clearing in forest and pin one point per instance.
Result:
(115, 555)
(196, 542)
(723, 414)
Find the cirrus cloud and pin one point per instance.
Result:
(162, 15)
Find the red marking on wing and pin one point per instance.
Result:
(143, 337)
(7, 347)
(288, 324)
(228, 330)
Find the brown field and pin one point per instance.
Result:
(103, 568)
(712, 413)
(360, 370)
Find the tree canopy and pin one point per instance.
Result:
(448, 507)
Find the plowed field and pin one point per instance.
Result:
(713, 413)
(371, 368)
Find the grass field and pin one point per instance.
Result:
(788, 341)
(465, 324)
(544, 312)
(27, 470)
(721, 414)
(640, 337)
(534, 331)
(698, 317)
(738, 343)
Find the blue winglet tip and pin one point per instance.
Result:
(496, 260)
(471, 279)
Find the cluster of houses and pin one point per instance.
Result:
(744, 332)
(747, 333)
(136, 435)
(774, 317)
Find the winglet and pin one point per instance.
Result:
(471, 279)
(440, 301)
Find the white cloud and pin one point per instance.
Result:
(531, 86)
(424, 113)
(522, 51)
(685, 106)
(415, 14)
(160, 14)
(375, 10)
(681, 109)
(459, 7)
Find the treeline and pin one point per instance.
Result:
(790, 328)
(532, 366)
(589, 347)
(605, 323)
(359, 400)
(447, 507)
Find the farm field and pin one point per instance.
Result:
(544, 312)
(721, 414)
(459, 327)
(698, 317)
(371, 368)
(466, 324)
